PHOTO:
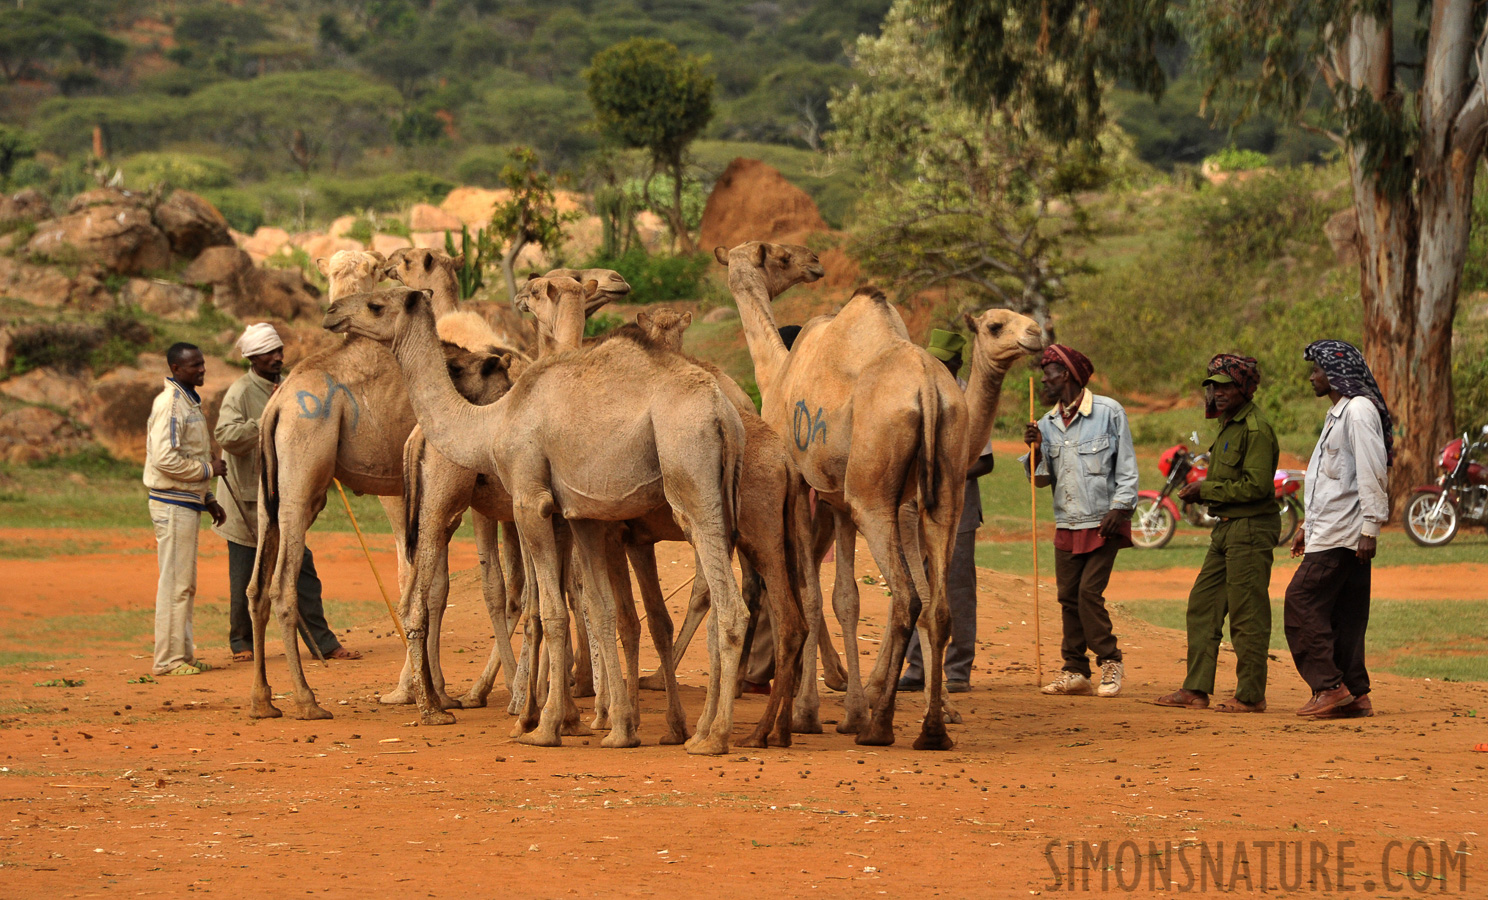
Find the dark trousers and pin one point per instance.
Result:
(1327, 612)
(240, 624)
(961, 597)
(1235, 582)
(1082, 580)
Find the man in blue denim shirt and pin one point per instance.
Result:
(1092, 466)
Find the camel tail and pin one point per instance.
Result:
(413, 488)
(929, 462)
(733, 471)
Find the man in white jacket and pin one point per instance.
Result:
(1327, 603)
(178, 471)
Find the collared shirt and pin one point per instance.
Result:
(237, 432)
(1242, 467)
(1346, 496)
(1090, 462)
(178, 452)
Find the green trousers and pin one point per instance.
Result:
(1236, 582)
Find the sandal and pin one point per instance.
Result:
(1183, 698)
(187, 669)
(343, 653)
(1239, 706)
(243, 656)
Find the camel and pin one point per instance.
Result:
(342, 413)
(774, 529)
(571, 439)
(883, 433)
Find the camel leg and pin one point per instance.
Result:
(939, 531)
(806, 709)
(590, 542)
(582, 654)
(643, 562)
(287, 610)
(524, 703)
(260, 601)
(845, 605)
(725, 638)
(790, 634)
(493, 592)
(822, 537)
(628, 623)
(697, 608)
(541, 546)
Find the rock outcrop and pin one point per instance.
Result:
(26, 205)
(248, 291)
(191, 224)
(108, 227)
(752, 201)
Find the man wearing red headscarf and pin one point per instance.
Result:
(1083, 449)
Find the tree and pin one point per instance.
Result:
(15, 145)
(531, 216)
(308, 115)
(952, 194)
(1412, 127)
(647, 95)
(47, 31)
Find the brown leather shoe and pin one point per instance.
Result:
(1359, 709)
(1322, 701)
(1183, 698)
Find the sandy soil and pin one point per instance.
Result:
(113, 788)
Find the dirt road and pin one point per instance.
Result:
(117, 788)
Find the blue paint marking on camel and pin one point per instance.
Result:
(313, 407)
(806, 427)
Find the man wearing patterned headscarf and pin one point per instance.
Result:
(1327, 603)
(1235, 581)
(237, 432)
(1083, 449)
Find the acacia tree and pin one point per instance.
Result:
(647, 95)
(530, 216)
(953, 193)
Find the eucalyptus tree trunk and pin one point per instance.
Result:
(1413, 220)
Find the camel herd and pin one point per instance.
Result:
(575, 463)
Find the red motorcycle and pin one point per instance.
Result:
(1460, 495)
(1155, 518)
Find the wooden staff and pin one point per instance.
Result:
(1038, 641)
(397, 622)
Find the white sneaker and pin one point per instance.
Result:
(1070, 683)
(1110, 684)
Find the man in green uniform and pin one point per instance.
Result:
(1236, 578)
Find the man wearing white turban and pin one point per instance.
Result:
(237, 432)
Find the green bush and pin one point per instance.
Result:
(183, 170)
(601, 323)
(243, 208)
(657, 279)
(383, 193)
(1233, 159)
(361, 230)
(1269, 216)
(481, 166)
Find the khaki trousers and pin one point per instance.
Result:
(176, 530)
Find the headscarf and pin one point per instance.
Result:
(1076, 363)
(259, 339)
(1349, 375)
(1242, 370)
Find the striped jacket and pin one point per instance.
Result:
(178, 449)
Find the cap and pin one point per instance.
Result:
(1219, 378)
(945, 345)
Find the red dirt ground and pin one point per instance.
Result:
(114, 789)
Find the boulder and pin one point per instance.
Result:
(105, 196)
(33, 433)
(322, 246)
(48, 387)
(247, 291)
(178, 302)
(25, 205)
(431, 240)
(387, 243)
(117, 408)
(7, 348)
(266, 241)
(191, 224)
(90, 293)
(1342, 229)
(341, 227)
(216, 265)
(37, 285)
(121, 238)
(473, 206)
(426, 217)
(752, 201)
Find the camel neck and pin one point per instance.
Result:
(450, 422)
(568, 324)
(766, 349)
(983, 390)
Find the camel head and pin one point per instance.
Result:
(664, 327)
(419, 267)
(610, 287)
(377, 314)
(550, 296)
(351, 271)
(482, 376)
(782, 265)
(1001, 336)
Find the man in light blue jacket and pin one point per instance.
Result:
(1083, 449)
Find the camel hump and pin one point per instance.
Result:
(468, 330)
(871, 292)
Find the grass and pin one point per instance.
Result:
(1441, 639)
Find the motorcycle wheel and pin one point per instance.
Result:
(1153, 524)
(1425, 525)
(1289, 522)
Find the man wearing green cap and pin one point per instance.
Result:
(1236, 577)
(946, 346)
